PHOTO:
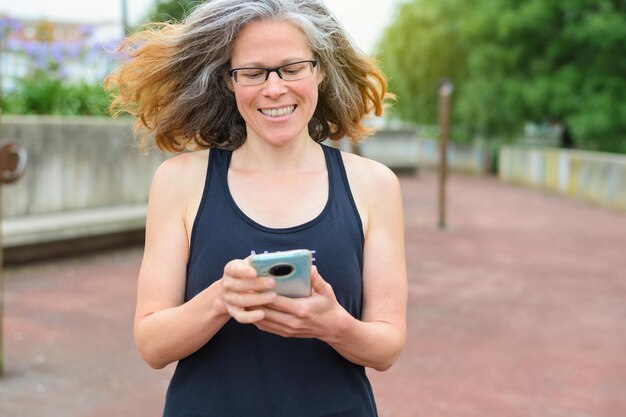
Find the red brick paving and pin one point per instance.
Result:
(517, 309)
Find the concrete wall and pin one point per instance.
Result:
(403, 148)
(84, 177)
(461, 157)
(596, 177)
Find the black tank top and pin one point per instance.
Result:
(243, 371)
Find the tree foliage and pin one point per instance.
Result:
(168, 10)
(513, 62)
(422, 46)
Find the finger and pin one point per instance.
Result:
(282, 325)
(317, 282)
(286, 304)
(245, 316)
(271, 327)
(249, 299)
(248, 284)
(276, 316)
(291, 308)
(274, 328)
(239, 268)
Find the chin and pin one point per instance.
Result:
(283, 137)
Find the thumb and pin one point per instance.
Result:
(317, 282)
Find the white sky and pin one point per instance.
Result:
(364, 19)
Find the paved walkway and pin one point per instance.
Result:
(518, 309)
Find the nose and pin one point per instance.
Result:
(274, 86)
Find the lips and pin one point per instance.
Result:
(278, 112)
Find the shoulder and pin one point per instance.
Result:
(180, 175)
(375, 189)
(183, 165)
(182, 168)
(369, 177)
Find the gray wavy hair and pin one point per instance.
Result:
(176, 78)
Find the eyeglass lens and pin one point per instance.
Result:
(289, 72)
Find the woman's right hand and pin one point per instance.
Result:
(243, 291)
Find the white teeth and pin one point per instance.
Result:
(278, 112)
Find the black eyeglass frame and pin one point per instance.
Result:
(268, 71)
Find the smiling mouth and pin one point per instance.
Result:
(283, 111)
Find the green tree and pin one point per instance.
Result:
(525, 61)
(423, 46)
(166, 10)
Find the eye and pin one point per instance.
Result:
(251, 74)
(293, 69)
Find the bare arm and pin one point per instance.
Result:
(166, 328)
(377, 340)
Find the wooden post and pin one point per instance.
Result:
(445, 92)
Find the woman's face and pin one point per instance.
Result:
(276, 111)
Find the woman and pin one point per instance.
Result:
(254, 87)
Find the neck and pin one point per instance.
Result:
(298, 155)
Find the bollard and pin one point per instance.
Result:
(12, 166)
(445, 91)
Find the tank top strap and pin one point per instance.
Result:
(340, 185)
(213, 189)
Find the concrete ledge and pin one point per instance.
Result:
(37, 229)
(595, 177)
(72, 247)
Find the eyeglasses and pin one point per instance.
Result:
(289, 72)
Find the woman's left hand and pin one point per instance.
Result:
(315, 316)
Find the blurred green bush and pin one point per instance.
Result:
(41, 94)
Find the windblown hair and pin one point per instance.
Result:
(175, 77)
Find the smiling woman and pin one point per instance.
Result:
(255, 86)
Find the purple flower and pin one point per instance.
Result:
(41, 62)
(29, 48)
(73, 50)
(86, 31)
(8, 24)
(68, 60)
(55, 51)
(13, 45)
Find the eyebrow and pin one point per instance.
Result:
(257, 64)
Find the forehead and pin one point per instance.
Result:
(270, 43)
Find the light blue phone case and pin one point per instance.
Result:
(291, 269)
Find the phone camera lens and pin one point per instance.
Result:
(281, 270)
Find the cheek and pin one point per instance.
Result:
(310, 92)
(243, 100)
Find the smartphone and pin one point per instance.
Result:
(291, 270)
